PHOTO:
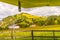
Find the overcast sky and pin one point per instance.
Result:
(8, 9)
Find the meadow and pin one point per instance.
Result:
(25, 33)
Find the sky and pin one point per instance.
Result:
(8, 10)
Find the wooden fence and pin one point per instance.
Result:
(32, 34)
(53, 34)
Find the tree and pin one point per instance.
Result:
(58, 19)
(51, 20)
(39, 21)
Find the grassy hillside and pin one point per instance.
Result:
(34, 3)
(25, 20)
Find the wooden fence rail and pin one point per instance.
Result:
(53, 34)
(35, 34)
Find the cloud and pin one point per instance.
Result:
(8, 9)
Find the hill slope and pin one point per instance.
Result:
(26, 20)
(23, 20)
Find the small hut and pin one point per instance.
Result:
(34, 25)
(14, 26)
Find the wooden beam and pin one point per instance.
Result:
(19, 6)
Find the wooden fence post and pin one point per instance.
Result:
(12, 34)
(32, 34)
(53, 35)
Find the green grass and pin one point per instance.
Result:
(20, 35)
(4, 34)
(31, 39)
(20, 32)
(34, 3)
